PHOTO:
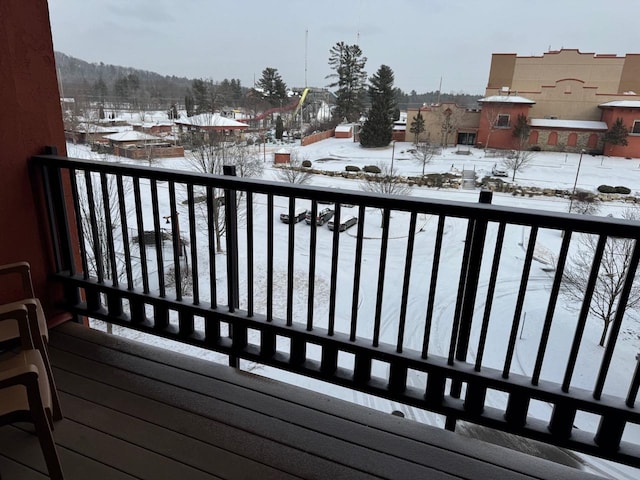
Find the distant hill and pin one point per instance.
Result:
(112, 83)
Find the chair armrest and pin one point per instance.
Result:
(22, 375)
(18, 312)
(24, 270)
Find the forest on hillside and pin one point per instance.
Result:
(132, 88)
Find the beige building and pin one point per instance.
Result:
(565, 84)
(445, 124)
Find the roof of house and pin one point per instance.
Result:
(211, 120)
(505, 99)
(621, 103)
(345, 127)
(572, 124)
(131, 136)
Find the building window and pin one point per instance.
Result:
(553, 138)
(635, 130)
(502, 121)
(572, 141)
(533, 137)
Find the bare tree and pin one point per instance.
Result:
(517, 160)
(423, 154)
(491, 112)
(294, 172)
(584, 202)
(95, 203)
(207, 155)
(612, 273)
(386, 182)
(246, 159)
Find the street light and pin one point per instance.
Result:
(573, 194)
(393, 153)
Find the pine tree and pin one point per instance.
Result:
(377, 130)
(274, 90)
(348, 64)
(279, 128)
(617, 134)
(417, 126)
(188, 104)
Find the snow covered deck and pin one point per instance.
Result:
(137, 411)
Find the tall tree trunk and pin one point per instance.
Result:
(605, 329)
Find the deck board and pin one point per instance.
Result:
(136, 411)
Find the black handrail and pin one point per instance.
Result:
(372, 357)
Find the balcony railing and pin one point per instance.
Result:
(403, 305)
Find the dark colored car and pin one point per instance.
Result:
(322, 217)
(345, 223)
(298, 216)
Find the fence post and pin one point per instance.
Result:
(59, 225)
(470, 288)
(231, 235)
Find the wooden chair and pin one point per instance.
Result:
(24, 388)
(37, 322)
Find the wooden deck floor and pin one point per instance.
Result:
(134, 411)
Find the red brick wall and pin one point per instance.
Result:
(316, 137)
(31, 120)
(628, 115)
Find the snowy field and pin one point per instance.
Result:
(547, 170)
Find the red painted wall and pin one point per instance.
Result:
(31, 119)
(628, 115)
(501, 137)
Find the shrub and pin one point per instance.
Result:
(594, 151)
(372, 169)
(622, 190)
(352, 168)
(306, 163)
(606, 189)
(535, 148)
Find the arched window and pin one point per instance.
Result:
(572, 141)
(533, 137)
(553, 138)
(593, 141)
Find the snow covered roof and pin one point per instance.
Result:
(84, 128)
(573, 124)
(505, 99)
(131, 136)
(344, 127)
(211, 120)
(622, 103)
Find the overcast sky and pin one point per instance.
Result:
(421, 40)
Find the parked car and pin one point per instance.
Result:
(298, 216)
(498, 172)
(344, 223)
(322, 217)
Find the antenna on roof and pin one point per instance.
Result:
(306, 38)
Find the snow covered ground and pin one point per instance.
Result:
(547, 170)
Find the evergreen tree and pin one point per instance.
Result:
(348, 64)
(100, 90)
(201, 96)
(417, 126)
(617, 134)
(377, 130)
(188, 104)
(279, 128)
(274, 90)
